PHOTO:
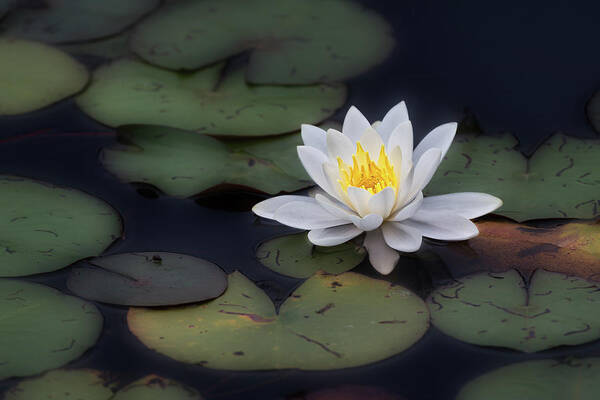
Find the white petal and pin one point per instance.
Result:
(332, 174)
(313, 160)
(467, 204)
(359, 200)
(382, 257)
(440, 137)
(425, 168)
(402, 136)
(339, 145)
(267, 208)
(314, 137)
(355, 124)
(333, 236)
(367, 223)
(442, 225)
(371, 142)
(375, 125)
(392, 119)
(408, 210)
(382, 203)
(402, 237)
(334, 207)
(306, 215)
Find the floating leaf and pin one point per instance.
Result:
(573, 379)
(62, 21)
(561, 180)
(44, 227)
(78, 384)
(498, 309)
(293, 255)
(154, 387)
(35, 75)
(41, 328)
(593, 111)
(183, 164)
(572, 248)
(108, 48)
(131, 92)
(147, 279)
(329, 322)
(291, 42)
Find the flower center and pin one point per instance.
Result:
(366, 173)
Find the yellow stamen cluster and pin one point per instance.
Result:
(366, 173)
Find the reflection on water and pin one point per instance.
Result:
(226, 85)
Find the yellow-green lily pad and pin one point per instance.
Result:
(500, 309)
(42, 328)
(45, 227)
(35, 75)
(66, 21)
(183, 164)
(573, 379)
(329, 322)
(290, 42)
(294, 255)
(132, 92)
(560, 180)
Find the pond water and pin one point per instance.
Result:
(504, 68)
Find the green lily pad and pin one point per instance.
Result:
(154, 387)
(41, 328)
(290, 42)
(573, 379)
(329, 322)
(44, 227)
(107, 48)
(131, 92)
(183, 164)
(63, 21)
(498, 309)
(561, 180)
(77, 384)
(35, 75)
(293, 255)
(147, 279)
(593, 111)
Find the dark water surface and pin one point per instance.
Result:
(526, 70)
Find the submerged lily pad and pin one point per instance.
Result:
(498, 309)
(41, 328)
(572, 248)
(131, 92)
(293, 255)
(573, 379)
(154, 387)
(561, 180)
(77, 384)
(147, 279)
(291, 42)
(44, 227)
(183, 164)
(62, 21)
(328, 322)
(35, 75)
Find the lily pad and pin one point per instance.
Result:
(35, 75)
(107, 48)
(290, 42)
(62, 21)
(572, 248)
(42, 324)
(147, 279)
(131, 92)
(44, 227)
(573, 379)
(561, 180)
(498, 309)
(329, 322)
(154, 387)
(182, 163)
(293, 255)
(77, 384)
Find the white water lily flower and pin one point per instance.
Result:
(371, 180)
